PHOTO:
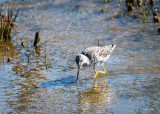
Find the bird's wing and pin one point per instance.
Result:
(98, 53)
(103, 53)
(90, 53)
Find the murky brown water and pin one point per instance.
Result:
(67, 27)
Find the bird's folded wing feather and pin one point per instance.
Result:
(97, 53)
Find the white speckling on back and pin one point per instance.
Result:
(98, 55)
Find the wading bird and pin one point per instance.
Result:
(94, 56)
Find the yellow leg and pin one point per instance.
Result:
(96, 72)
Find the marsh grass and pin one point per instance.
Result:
(7, 23)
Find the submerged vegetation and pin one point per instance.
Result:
(7, 23)
(143, 9)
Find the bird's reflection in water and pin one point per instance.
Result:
(96, 98)
(103, 83)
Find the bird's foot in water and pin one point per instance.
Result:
(96, 72)
(103, 72)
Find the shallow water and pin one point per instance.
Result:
(67, 27)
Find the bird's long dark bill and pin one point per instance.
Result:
(78, 73)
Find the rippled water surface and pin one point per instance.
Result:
(67, 27)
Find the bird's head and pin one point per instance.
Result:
(82, 61)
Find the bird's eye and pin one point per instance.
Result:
(81, 60)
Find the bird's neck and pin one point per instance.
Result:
(87, 61)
